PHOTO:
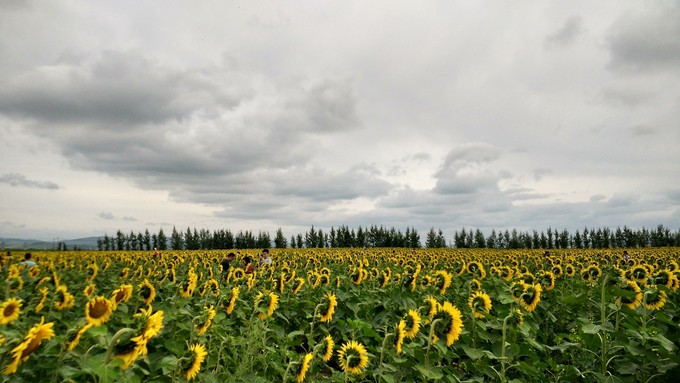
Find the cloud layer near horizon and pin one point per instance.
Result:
(259, 116)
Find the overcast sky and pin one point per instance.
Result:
(254, 115)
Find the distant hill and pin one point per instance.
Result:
(89, 243)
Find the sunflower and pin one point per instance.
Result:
(237, 274)
(33, 339)
(186, 289)
(121, 294)
(474, 285)
(299, 282)
(547, 280)
(412, 321)
(10, 310)
(15, 283)
(451, 323)
(251, 280)
(147, 292)
(210, 314)
(232, 300)
(476, 270)
(506, 273)
(304, 367)
(654, 299)
(154, 325)
(383, 279)
(89, 290)
(92, 271)
(640, 274)
(328, 348)
(76, 339)
(635, 299)
(34, 271)
(64, 299)
(400, 335)
(444, 281)
(329, 309)
(480, 304)
(98, 311)
(270, 306)
(128, 348)
(530, 297)
(353, 357)
(41, 303)
(197, 357)
(569, 270)
(432, 305)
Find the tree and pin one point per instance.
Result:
(162, 240)
(280, 241)
(176, 239)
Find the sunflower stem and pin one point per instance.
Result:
(505, 332)
(429, 342)
(603, 318)
(382, 353)
(112, 344)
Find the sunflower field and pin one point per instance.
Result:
(342, 315)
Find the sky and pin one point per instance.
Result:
(259, 115)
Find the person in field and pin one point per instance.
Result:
(226, 263)
(248, 264)
(264, 258)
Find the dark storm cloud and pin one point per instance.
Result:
(646, 41)
(16, 179)
(566, 34)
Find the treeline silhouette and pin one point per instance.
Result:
(379, 236)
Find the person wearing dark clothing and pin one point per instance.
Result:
(227, 262)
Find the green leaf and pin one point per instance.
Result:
(293, 334)
(664, 342)
(591, 328)
(430, 372)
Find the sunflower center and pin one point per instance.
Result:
(9, 310)
(98, 309)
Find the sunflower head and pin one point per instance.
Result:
(98, 311)
(10, 310)
(328, 348)
(193, 363)
(480, 304)
(353, 357)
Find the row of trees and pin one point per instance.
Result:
(379, 236)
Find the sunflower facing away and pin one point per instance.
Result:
(451, 323)
(412, 320)
(299, 282)
(328, 348)
(21, 353)
(210, 314)
(197, 357)
(635, 298)
(98, 311)
(147, 292)
(353, 357)
(10, 311)
(654, 299)
(121, 294)
(400, 335)
(64, 299)
(41, 303)
(480, 304)
(271, 304)
(304, 367)
(530, 297)
(329, 308)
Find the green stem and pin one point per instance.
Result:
(382, 353)
(429, 342)
(504, 337)
(603, 318)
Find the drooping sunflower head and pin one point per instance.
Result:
(98, 311)
(632, 296)
(480, 304)
(443, 281)
(530, 297)
(147, 292)
(640, 274)
(569, 270)
(450, 323)
(654, 299)
(475, 285)
(353, 357)
(35, 336)
(299, 282)
(10, 310)
(64, 299)
(303, 367)
(229, 308)
(547, 280)
(207, 321)
(432, 306)
(121, 294)
(399, 335)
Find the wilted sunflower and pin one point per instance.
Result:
(530, 297)
(33, 339)
(64, 299)
(635, 299)
(304, 367)
(10, 310)
(353, 357)
(450, 323)
(98, 311)
(197, 357)
(412, 320)
(147, 292)
(654, 299)
(43, 291)
(210, 314)
(329, 308)
(480, 304)
(232, 300)
(328, 348)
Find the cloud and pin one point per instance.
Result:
(646, 40)
(465, 170)
(566, 34)
(642, 130)
(105, 215)
(540, 173)
(16, 179)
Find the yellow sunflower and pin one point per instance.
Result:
(270, 305)
(399, 335)
(654, 299)
(197, 357)
(92, 271)
(210, 314)
(451, 323)
(475, 285)
(530, 297)
(10, 310)
(98, 311)
(76, 339)
(635, 299)
(89, 290)
(432, 305)
(121, 294)
(232, 300)
(330, 305)
(304, 367)
(412, 320)
(444, 281)
(64, 299)
(15, 283)
(147, 292)
(43, 291)
(38, 333)
(547, 280)
(328, 348)
(480, 304)
(299, 282)
(154, 325)
(353, 357)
